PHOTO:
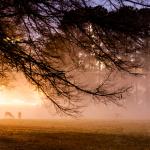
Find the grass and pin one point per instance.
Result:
(74, 135)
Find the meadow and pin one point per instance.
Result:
(74, 135)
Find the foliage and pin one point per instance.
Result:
(43, 40)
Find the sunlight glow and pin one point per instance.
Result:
(16, 102)
(6, 99)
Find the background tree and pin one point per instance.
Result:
(45, 39)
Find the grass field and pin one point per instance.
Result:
(74, 135)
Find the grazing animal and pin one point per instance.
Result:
(19, 115)
(9, 115)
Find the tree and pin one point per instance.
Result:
(43, 40)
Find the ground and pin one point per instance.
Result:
(74, 135)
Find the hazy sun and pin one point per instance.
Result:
(16, 102)
(14, 99)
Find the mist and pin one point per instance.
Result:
(23, 97)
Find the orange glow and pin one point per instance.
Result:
(16, 102)
(10, 98)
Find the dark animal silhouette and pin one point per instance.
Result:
(9, 115)
(19, 115)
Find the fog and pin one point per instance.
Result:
(24, 98)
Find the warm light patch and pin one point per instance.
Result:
(9, 99)
(16, 102)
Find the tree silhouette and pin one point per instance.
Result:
(44, 38)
